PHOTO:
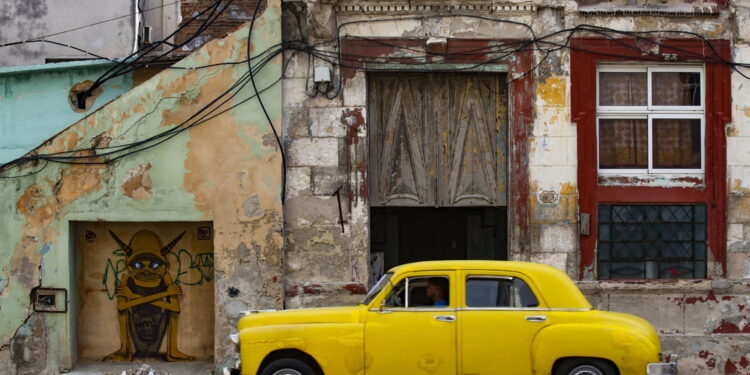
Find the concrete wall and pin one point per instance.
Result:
(705, 322)
(25, 124)
(24, 20)
(227, 170)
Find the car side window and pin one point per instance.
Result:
(487, 291)
(397, 297)
(421, 291)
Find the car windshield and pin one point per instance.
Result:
(377, 288)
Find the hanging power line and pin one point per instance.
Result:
(544, 45)
(84, 26)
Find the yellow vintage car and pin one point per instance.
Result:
(454, 317)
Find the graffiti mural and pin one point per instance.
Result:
(185, 269)
(147, 300)
(148, 282)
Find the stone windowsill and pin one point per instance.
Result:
(722, 286)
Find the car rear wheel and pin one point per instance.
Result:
(585, 366)
(288, 366)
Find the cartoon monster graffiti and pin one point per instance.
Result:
(147, 300)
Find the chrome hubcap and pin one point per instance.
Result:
(287, 371)
(586, 370)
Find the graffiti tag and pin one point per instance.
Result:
(184, 268)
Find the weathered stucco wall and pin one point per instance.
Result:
(705, 322)
(25, 124)
(226, 170)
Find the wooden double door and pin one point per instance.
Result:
(438, 139)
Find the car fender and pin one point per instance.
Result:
(628, 349)
(336, 347)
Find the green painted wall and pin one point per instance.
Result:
(227, 170)
(34, 102)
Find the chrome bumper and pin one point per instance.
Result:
(661, 368)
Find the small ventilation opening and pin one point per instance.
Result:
(81, 98)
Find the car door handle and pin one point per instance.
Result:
(536, 318)
(445, 318)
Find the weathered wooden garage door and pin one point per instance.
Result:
(437, 139)
(146, 291)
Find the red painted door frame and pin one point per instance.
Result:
(356, 51)
(586, 53)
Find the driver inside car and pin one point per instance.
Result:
(437, 291)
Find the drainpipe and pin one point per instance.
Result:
(136, 24)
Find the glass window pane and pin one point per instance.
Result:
(623, 143)
(676, 88)
(604, 213)
(523, 296)
(652, 241)
(700, 250)
(604, 270)
(499, 292)
(677, 143)
(623, 89)
(429, 292)
(604, 250)
(677, 270)
(380, 285)
(484, 292)
(700, 213)
(627, 270)
(700, 270)
(397, 296)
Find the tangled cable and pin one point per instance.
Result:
(544, 45)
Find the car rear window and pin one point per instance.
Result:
(511, 292)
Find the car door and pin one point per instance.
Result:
(407, 333)
(500, 315)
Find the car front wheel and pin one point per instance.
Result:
(585, 366)
(288, 366)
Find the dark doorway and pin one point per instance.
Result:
(411, 234)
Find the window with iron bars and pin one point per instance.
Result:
(652, 241)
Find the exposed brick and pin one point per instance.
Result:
(237, 13)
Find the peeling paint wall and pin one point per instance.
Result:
(702, 321)
(225, 170)
(35, 105)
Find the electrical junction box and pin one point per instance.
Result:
(322, 74)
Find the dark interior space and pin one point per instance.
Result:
(411, 234)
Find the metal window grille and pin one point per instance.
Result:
(652, 241)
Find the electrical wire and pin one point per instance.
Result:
(127, 65)
(545, 46)
(262, 106)
(84, 26)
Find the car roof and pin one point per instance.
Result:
(555, 287)
(471, 265)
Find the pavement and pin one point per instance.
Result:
(135, 368)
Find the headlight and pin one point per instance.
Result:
(235, 337)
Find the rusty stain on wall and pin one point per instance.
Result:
(137, 182)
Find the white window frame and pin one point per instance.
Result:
(651, 112)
